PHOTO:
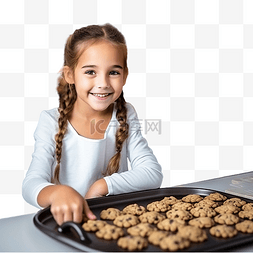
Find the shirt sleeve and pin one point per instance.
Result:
(39, 172)
(146, 172)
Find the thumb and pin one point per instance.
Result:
(90, 215)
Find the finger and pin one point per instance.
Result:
(87, 211)
(58, 215)
(59, 218)
(68, 216)
(78, 214)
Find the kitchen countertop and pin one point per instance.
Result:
(19, 234)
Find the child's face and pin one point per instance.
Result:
(99, 76)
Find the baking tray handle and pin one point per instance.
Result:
(77, 227)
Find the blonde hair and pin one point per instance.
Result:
(75, 45)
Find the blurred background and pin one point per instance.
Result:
(191, 75)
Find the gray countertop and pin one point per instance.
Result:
(18, 234)
(239, 184)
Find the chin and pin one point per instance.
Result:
(100, 108)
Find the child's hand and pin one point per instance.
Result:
(98, 189)
(66, 204)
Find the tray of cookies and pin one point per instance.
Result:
(165, 219)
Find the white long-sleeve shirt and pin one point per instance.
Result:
(84, 160)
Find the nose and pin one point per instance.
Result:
(103, 82)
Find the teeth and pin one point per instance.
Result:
(100, 95)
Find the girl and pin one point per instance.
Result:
(81, 148)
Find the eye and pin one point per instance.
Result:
(114, 73)
(90, 72)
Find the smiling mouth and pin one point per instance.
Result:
(101, 95)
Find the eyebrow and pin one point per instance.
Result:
(94, 66)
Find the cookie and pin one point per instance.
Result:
(134, 209)
(93, 225)
(157, 236)
(126, 220)
(132, 243)
(109, 232)
(142, 229)
(201, 211)
(193, 233)
(216, 197)
(202, 222)
(171, 200)
(110, 213)
(170, 224)
(223, 231)
(179, 214)
(174, 243)
(246, 214)
(206, 203)
(158, 206)
(182, 205)
(245, 226)
(247, 207)
(223, 209)
(235, 202)
(192, 198)
(228, 219)
(151, 217)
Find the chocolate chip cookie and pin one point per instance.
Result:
(223, 231)
(247, 207)
(174, 243)
(110, 213)
(157, 236)
(151, 217)
(141, 229)
(235, 202)
(201, 211)
(246, 226)
(193, 233)
(132, 243)
(170, 224)
(109, 232)
(202, 222)
(182, 205)
(179, 214)
(126, 220)
(93, 225)
(134, 209)
(192, 198)
(171, 200)
(158, 206)
(246, 214)
(223, 209)
(216, 197)
(206, 203)
(227, 218)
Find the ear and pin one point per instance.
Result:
(68, 75)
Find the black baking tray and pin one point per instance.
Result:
(73, 235)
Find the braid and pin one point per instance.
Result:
(67, 98)
(121, 135)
